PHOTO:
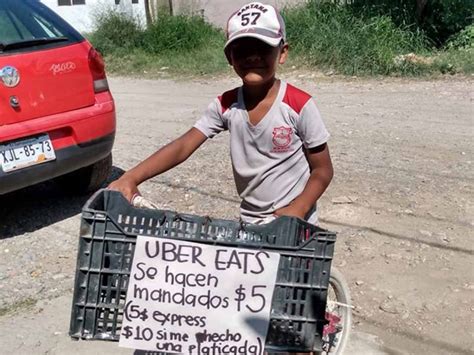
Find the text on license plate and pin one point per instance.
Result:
(32, 151)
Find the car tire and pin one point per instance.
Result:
(87, 179)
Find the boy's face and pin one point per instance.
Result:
(254, 61)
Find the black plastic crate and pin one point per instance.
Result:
(110, 225)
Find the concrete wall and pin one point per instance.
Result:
(81, 16)
(218, 11)
(214, 11)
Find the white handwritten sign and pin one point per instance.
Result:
(193, 298)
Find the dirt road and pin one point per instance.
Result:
(401, 202)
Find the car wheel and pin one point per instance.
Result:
(87, 179)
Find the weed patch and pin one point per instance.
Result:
(321, 35)
(116, 33)
(17, 306)
(329, 36)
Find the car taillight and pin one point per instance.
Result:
(97, 68)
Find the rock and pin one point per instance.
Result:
(35, 273)
(412, 58)
(425, 233)
(393, 256)
(392, 306)
(342, 263)
(429, 307)
(342, 200)
(359, 282)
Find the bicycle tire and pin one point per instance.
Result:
(339, 286)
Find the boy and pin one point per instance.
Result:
(280, 158)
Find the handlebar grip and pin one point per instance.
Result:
(141, 202)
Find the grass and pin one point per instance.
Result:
(139, 62)
(177, 34)
(455, 61)
(184, 45)
(328, 36)
(18, 306)
(458, 54)
(111, 29)
(322, 36)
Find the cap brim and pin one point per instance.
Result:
(274, 42)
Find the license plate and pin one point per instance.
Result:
(24, 153)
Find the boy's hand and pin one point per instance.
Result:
(126, 186)
(291, 210)
(321, 175)
(164, 159)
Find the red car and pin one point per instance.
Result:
(57, 115)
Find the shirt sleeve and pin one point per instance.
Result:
(212, 121)
(311, 127)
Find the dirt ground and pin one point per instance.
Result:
(401, 202)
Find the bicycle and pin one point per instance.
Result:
(337, 331)
(339, 314)
(299, 321)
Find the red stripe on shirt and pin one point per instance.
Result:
(228, 98)
(295, 98)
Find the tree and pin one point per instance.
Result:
(153, 6)
(420, 7)
(148, 13)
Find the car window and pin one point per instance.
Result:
(29, 20)
(10, 28)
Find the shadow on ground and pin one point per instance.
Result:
(41, 205)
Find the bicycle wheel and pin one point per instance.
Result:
(338, 314)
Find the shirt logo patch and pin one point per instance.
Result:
(281, 139)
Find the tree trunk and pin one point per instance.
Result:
(420, 7)
(148, 13)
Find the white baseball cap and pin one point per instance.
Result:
(256, 20)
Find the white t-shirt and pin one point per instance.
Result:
(269, 164)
